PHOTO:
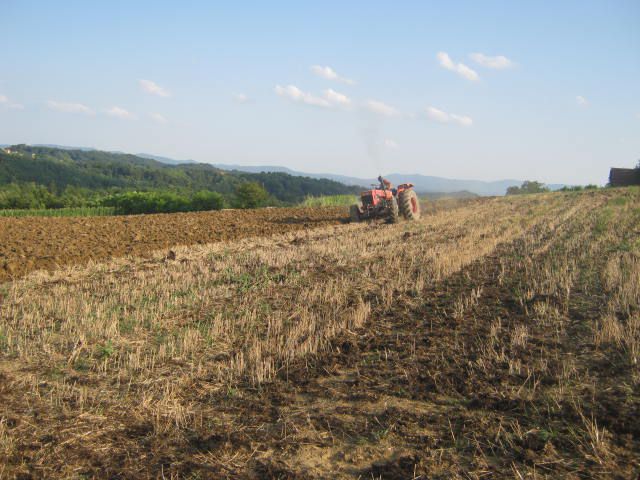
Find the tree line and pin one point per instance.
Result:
(530, 186)
(30, 196)
(44, 177)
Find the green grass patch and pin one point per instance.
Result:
(602, 222)
(4, 342)
(330, 201)
(618, 201)
(60, 212)
(105, 350)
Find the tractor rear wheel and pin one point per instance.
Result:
(394, 211)
(409, 205)
(354, 213)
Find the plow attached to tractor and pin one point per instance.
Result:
(384, 201)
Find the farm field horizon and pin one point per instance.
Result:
(494, 337)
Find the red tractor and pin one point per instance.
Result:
(384, 201)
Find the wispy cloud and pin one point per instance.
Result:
(337, 98)
(153, 88)
(120, 112)
(329, 98)
(581, 101)
(241, 98)
(389, 143)
(158, 118)
(295, 94)
(6, 103)
(69, 107)
(460, 68)
(330, 74)
(499, 62)
(381, 108)
(444, 117)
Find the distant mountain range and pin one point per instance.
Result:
(423, 183)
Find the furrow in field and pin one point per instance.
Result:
(28, 244)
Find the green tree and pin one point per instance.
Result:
(251, 195)
(205, 200)
(527, 186)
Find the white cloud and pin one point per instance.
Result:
(498, 62)
(462, 120)
(159, 118)
(329, 99)
(444, 117)
(241, 98)
(389, 143)
(460, 68)
(153, 88)
(295, 94)
(330, 74)
(581, 101)
(337, 98)
(4, 101)
(376, 106)
(119, 112)
(437, 115)
(69, 107)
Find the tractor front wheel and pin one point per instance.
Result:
(409, 205)
(354, 213)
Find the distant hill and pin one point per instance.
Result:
(166, 160)
(64, 147)
(361, 182)
(59, 168)
(423, 184)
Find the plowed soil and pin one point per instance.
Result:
(28, 244)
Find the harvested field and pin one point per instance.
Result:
(497, 340)
(28, 244)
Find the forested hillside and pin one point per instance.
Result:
(42, 171)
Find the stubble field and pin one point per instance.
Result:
(493, 339)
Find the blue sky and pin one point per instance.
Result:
(462, 89)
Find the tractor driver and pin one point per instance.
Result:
(386, 184)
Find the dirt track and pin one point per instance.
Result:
(28, 244)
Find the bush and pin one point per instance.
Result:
(527, 187)
(33, 196)
(205, 200)
(578, 188)
(251, 195)
(132, 203)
